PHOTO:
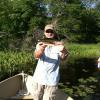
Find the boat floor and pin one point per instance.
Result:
(60, 96)
(27, 97)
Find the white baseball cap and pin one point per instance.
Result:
(49, 26)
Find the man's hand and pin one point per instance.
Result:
(64, 54)
(41, 46)
(39, 50)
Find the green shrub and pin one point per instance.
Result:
(14, 62)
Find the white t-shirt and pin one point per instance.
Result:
(47, 69)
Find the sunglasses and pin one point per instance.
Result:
(49, 31)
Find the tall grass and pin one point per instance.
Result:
(84, 50)
(14, 62)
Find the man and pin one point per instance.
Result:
(46, 76)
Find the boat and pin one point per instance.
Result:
(19, 87)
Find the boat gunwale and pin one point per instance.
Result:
(20, 74)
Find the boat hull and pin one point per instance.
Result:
(20, 87)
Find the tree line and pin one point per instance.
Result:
(78, 19)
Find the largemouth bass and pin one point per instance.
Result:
(48, 40)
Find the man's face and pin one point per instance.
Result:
(49, 33)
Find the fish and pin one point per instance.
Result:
(48, 40)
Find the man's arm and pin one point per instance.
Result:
(39, 50)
